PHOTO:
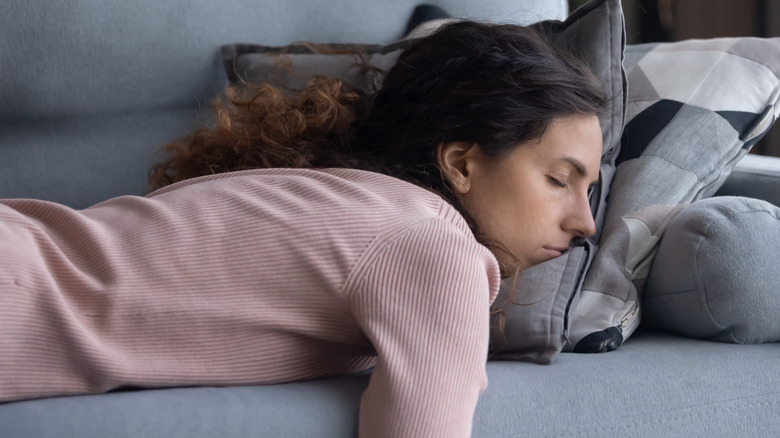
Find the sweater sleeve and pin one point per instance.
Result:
(423, 299)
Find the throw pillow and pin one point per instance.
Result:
(361, 66)
(716, 275)
(694, 109)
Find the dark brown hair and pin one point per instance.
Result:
(494, 85)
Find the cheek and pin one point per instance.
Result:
(532, 198)
(513, 204)
(518, 211)
(537, 213)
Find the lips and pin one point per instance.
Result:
(555, 252)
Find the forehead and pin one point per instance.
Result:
(575, 140)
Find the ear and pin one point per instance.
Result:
(456, 160)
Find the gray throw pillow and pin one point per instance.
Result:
(716, 274)
(361, 66)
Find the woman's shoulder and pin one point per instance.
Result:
(412, 202)
(312, 176)
(338, 189)
(432, 254)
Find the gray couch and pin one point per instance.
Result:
(89, 89)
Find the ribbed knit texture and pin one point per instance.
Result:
(252, 277)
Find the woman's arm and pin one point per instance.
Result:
(423, 300)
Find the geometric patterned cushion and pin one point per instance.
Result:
(694, 109)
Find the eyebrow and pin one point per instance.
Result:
(575, 163)
(578, 167)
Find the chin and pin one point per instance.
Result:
(512, 266)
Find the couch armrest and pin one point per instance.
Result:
(755, 176)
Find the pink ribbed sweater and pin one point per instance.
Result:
(251, 277)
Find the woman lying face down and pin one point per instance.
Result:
(318, 235)
(500, 98)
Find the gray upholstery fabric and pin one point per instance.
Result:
(81, 161)
(716, 274)
(754, 176)
(654, 386)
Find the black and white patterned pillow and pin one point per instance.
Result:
(694, 109)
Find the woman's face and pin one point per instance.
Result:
(534, 200)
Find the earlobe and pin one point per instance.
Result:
(455, 163)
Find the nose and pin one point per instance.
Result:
(580, 220)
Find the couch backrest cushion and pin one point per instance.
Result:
(89, 89)
(79, 57)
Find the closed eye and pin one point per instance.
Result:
(556, 182)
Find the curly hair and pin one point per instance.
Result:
(258, 126)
